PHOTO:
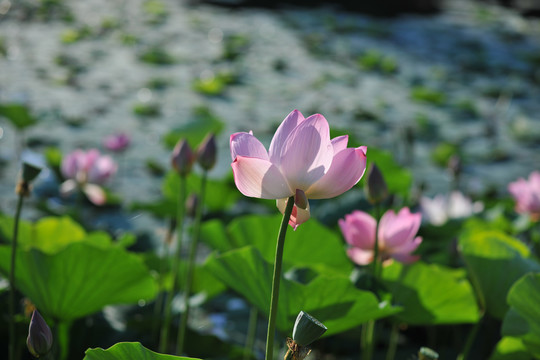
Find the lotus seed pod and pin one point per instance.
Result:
(307, 329)
(427, 354)
(30, 172)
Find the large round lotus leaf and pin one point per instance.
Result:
(494, 262)
(128, 351)
(431, 294)
(312, 246)
(523, 319)
(332, 299)
(509, 348)
(80, 279)
(51, 234)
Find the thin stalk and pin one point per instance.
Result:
(12, 331)
(251, 333)
(367, 343)
(158, 307)
(269, 355)
(470, 341)
(369, 328)
(392, 346)
(188, 280)
(62, 336)
(164, 338)
(376, 262)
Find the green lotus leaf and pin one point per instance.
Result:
(431, 294)
(494, 262)
(331, 299)
(128, 351)
(79, 279)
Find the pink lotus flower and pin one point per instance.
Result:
(301, 161)
(117, 142)
(87, 171)
(397, 236)
(527, 195)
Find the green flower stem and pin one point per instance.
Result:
(470, 340)
(158, 307)
(62, 336)
(12, 331)
(377, 263)
(369, 328)
(164, 338)
(251, 333)
(392, 346)
(367, 341)
(188, 280)
(269, 355)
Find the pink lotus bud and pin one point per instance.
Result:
(206, 155)
(182, 158)
(40, 339)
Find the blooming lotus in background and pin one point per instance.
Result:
(301, 161)
(527, 195)
(117, 142)
(87, 171)
(396, 234)
(440, 209)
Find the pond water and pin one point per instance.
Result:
(468, 77)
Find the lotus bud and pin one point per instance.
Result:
(182, 158)
(40, 338)
(427, 354)
(376, 188)
(206, 155)
(300, 199)
(307, 329)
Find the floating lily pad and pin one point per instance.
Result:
(202, 122)
(19, 115)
